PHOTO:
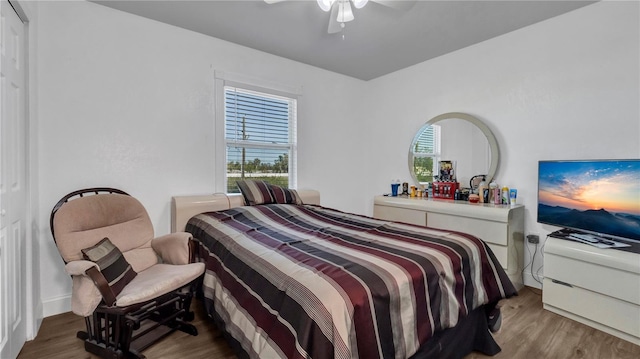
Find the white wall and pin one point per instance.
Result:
(565, 88)
(128, 102)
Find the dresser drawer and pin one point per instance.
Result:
(597, 278)
(397, 214)
(602, 309)
(488, 231)
(501, 253)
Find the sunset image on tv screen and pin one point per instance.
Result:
(596, 196)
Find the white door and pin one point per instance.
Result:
(13, 191)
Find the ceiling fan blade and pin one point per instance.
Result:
(273, 1)
(397, 4)
(334, 25)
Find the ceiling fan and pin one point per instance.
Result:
(341, 11)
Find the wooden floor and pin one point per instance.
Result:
(528, 331)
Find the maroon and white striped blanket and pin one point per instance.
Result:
(306, 281)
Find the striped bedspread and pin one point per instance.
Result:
(307, 281)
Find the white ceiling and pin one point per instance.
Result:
(379, 41)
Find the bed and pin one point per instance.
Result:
(305, 281)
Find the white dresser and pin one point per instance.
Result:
(597, 287)
(500, 226)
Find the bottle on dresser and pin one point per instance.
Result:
(493, 189)
(483, 190)
(505, 195)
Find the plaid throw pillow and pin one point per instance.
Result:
(114, 267)
(285, 195)
(255, 192)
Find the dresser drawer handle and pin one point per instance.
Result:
(562, 283)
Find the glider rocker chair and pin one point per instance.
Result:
(133, 289)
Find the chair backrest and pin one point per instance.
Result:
(80, 221)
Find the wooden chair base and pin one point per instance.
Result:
(123, 333)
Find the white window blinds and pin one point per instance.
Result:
(427, 142)
(260, 136)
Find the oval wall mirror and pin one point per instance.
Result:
(457, 137)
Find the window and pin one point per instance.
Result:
(425, 153)
(256, 132)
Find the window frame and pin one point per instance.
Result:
(224, 79)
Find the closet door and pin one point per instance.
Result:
(13, 185)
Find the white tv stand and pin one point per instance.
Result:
(597, 287)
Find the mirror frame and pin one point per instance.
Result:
(493, 143)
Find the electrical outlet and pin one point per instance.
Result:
(533, 238)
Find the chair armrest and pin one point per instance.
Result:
(173, 248)
(85, 296)
(91, 270)
(78, 267)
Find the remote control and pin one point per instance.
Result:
(585, 237)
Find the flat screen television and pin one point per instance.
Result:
(599, 197)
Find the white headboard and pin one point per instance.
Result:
(185, 207)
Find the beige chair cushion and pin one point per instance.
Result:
(173, 248)
(141, 258)
(83, 222)
(157, 280)
(148, 284)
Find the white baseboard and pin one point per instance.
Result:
(57, 305)
(35, 322)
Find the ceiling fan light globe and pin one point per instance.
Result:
(359, 4)
(325, 5)
(345, 14)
